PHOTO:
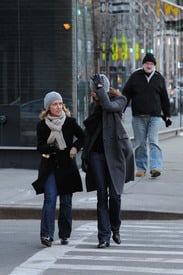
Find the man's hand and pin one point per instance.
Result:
(168, 122)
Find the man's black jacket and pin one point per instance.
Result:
(147, 97)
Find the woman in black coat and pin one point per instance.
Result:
(59, 138)
(107, 156)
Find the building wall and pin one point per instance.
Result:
(37, 54)
(35, 57)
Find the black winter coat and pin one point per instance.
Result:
(65, 169)
(147, 97)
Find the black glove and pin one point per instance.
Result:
(168, 121)
(98, 80)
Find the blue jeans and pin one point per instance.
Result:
(108, 202)
(145, 130)
(49, 208)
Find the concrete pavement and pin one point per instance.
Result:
(145, 198)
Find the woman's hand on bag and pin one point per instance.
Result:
(73, 152)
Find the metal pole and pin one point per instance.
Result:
(180, 106)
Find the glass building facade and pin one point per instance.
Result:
(85, 54)
(45, 45)
(55, 45)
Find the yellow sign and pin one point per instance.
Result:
(103, 48)
(137, 51)
(114, 49)
(124, 48)
(158, 8)
(170, 9)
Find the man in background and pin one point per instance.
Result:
(149, 103)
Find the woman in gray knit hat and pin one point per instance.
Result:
(59, 138)
(107, 156)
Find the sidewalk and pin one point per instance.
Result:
(145, 198)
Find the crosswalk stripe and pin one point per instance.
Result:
(135, 251)
(118, 268)
(147, 248)
(121, 258)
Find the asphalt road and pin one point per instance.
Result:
(148, 247)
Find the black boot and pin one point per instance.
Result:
(116, 237)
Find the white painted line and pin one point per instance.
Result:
(118, 268)
(85, 250)
(46, 258)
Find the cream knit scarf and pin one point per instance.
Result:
(55, 124)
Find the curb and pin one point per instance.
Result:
(87, 214)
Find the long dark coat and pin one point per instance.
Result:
(65, 169)
(117, 145)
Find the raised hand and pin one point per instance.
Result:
(98, 80)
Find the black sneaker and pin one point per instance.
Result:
(46, 241)
(64, 241)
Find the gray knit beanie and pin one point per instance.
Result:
(106, 83)
(51, 97)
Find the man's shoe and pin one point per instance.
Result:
(46, 241)
(155, 173)
(140, 173)
(64, 241)
(103, 245)
(116, 238)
